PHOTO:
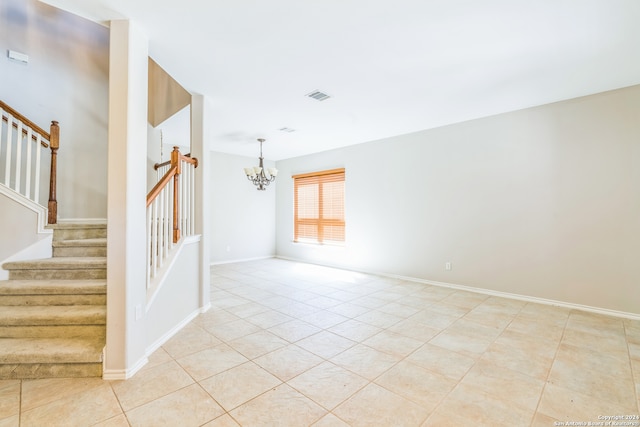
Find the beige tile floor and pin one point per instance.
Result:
(289, 344)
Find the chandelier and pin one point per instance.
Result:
(257, 174)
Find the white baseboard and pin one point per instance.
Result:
(167, 336)
(232, 261)
(527, 298)
(123, 374)
(205, 308)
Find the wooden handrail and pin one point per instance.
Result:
(159, 165)
(155, 191)
(26, 121)
(186, 158)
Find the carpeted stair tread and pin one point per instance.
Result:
(53, 315)
(76, 226)
(52, 311)
(59, 263)
(53, 287)
(50, 350)
(50, 370)
(78, 231)
(53, 331)
(98, 241)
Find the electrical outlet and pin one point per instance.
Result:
(447, 265)
(138, 312)
(228, 248)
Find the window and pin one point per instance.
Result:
(319, 207)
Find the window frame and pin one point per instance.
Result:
(319, 177)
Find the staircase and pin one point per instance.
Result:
(53, 311)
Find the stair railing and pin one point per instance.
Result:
(162, 168)
(170, 209)
(21, 161)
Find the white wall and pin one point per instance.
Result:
(66, 80)
(174, 302)
(542, 202)
(243, 219)
(126, 233)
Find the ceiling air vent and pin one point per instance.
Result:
(288, 130)
(318, 96)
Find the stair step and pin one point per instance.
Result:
(58, 331)
(50, 350)
(33, 300)
(50, 357)
(53, 311)
(96, 247)
(68, 231)
(52, 287)
(98, 241)
(60, 263)
(53, 292)
(60, 268)
(50, 370)
(50, 315)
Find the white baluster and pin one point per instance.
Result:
(170, 215)
(189, 199)
(28, 172)
(36, 192)
(1, 126)
(19, 144)
(193, 199)
(166, 214)
(160, 224)
(149, 247)
(169, 221)
(183, 193)
(7, 171)
(154, 239)
(186, 200)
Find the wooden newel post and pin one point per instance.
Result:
(54, 143)
(175, 162)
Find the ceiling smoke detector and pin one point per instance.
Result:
(318, 96)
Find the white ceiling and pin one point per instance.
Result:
(391, 67)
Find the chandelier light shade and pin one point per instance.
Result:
(257, 174)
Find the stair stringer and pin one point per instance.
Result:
(41, 211)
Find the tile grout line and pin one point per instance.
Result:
(475, 361)
(555, 355)
(633, 373)
(326, 329)
(387, 328)
(20, 405)
(119, 403)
